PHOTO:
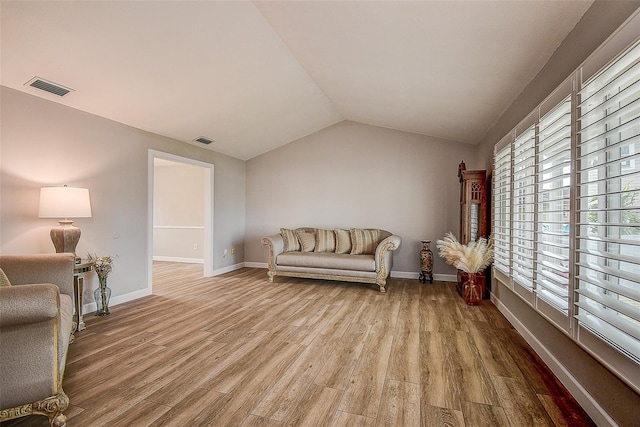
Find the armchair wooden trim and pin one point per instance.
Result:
(35, 328)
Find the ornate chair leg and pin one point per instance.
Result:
(59, 420)
(53, 407)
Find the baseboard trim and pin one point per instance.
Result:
(582, 396)
(228, 269)
(256, 265)
(120, 299)
(179, 259)
(416, 275)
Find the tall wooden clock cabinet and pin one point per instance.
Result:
(473, 214)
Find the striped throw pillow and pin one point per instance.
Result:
(364, 242)
(325, 241)
(291, 242)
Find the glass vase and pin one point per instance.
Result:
(102, 295)
(471, 290)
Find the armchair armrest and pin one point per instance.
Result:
(22, 305)
(30, 335)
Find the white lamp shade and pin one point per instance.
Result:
(64, 202)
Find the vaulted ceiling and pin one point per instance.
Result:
(254, 76)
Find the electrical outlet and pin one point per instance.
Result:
(195, 246)
(233, 251)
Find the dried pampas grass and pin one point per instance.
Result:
(471, 258)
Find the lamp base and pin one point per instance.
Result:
(65, 237)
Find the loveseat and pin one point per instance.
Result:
(36, 323)
(352, 255)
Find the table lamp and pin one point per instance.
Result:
(65, 202)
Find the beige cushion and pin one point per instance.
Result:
(325, 241)
(364, 242)
(290, 239)
(328, 260)
(307, 240)
(4, 280)
(343, 241)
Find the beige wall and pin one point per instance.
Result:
(178, 211)
(615, 398)
(45, 143)
(602, 18)
(355, 175)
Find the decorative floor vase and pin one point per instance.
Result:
(472, 291)
(426, 262)
(102, 295)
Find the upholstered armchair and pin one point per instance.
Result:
(36, 322)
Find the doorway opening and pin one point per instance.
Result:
(180, 211)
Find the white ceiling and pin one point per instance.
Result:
(257, 75)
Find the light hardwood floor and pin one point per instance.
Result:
(235, 350)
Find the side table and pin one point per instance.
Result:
(78, 287)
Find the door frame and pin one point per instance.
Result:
(207, 249)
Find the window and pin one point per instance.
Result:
(532, 222)
(502, 209)
(553, 224)
(566, 207)
(608, 238)
(523, 208)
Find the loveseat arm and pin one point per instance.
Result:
(26, 304)
(275, 243)
(384, 259)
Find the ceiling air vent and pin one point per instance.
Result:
(204, 140)
(48, 86)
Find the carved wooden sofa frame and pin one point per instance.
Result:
(383, 263)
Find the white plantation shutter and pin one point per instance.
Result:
(522, 228)
(553, 215)
(608, 190)
(502, 209)
(566, 206)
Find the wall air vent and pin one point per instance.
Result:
(204, 140)
(48, 86)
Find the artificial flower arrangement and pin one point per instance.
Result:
(102, 265)
(471, 258)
